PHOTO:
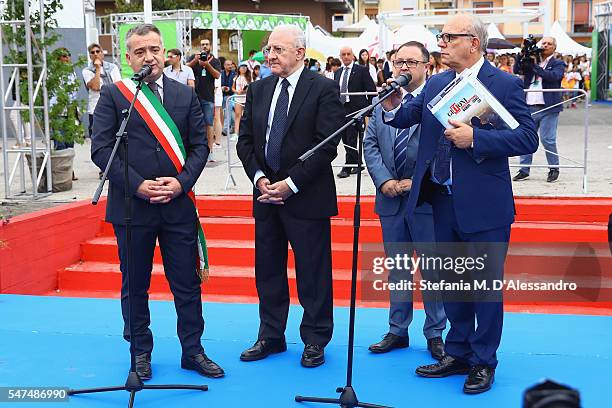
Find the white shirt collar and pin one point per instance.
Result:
(474, 68)
(348, 66)
(293, 78)
(417, 91)
(160, 81)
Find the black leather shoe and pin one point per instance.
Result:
(388, 343)
(262, 349)
(521, 175)
(313, 355)
(355, 170)
(344, 173)
(203, 365)
(143, 366)
(479, 379)
(445, 367)
(553, 175)
(435, 345)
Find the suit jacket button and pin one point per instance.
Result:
(427, 161)
(158, 149)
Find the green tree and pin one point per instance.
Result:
(60, 83)
(132, 6)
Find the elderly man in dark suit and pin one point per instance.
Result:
(285, 115)
(161, 208)
(463, 172)
(352, 77)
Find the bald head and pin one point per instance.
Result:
(463, 41)
(549, 46)
(346, 55)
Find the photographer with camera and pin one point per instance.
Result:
(206, 68)
(541, 70)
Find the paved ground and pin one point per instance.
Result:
(215, 176)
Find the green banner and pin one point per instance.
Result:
(246, 21)
(594, 61)
(169, 37)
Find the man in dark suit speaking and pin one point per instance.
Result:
(463, 172)
(285, 115)
(168, 150)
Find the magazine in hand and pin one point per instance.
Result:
(467, 100)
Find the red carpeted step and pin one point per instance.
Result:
(560, 209)
(243, 228)
(220, 252)
(223, 280)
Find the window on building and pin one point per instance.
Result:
(581, 16)
(532, 4)
(485, 7)
(371, 13)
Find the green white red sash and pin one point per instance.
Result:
(167, 134)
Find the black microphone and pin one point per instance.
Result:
(399, 82)
(144, 72)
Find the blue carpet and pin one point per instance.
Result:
(77, 343)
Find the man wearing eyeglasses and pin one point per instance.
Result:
(96, 75)
(177, 70)
(286, 115)
(463, 172)
(352, 77)
(390, 155)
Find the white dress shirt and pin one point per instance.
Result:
(293, 80)
(346, 70)
(160, 87)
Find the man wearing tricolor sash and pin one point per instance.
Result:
(167, 153)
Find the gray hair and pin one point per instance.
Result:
(479, 29)
(141, 30)
(298, 34)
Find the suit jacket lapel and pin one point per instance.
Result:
(486, 75)
(300, 93)
(170, 94)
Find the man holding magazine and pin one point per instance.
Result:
(463, 172)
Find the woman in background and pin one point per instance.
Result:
(364, 59)
(435, 63)
(241, 83)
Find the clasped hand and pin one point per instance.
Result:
(394, 188)
(275, 193)
(159, 191)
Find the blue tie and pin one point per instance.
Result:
(277, 132)
(401, 144)
(442, 160)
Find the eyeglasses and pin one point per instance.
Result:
(409, 63)
(278, 50)
(448, 37)
(95, 51)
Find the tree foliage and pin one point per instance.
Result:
(61, 83)
(134, 6)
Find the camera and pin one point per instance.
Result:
(530, 52)
(204, 56)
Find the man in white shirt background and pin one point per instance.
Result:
(177, 70)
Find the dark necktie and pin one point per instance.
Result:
(442, 160)
(401, 144)
(344, 86)
(153, 87)
(277, 132)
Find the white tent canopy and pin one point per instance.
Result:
(493, 32)
(413, 32)
(565, 44)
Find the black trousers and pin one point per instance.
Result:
(178, 245)
(311, 244)
(349, 138)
